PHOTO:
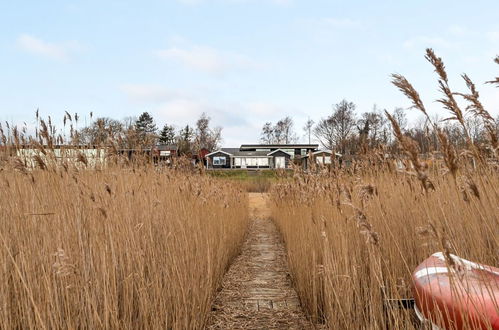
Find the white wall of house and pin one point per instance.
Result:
(251, 161)
(94, 156)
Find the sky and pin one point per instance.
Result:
(243, 62)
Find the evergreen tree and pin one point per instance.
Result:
(185, 140)
(146, 128)
(167, 135)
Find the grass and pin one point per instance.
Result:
(117, 248)
(250, 181)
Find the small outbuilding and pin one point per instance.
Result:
(320, 157)
(218, 159)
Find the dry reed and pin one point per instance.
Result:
(346, 261)
(355, 234)
(117, 248)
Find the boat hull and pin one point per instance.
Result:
(463, 296)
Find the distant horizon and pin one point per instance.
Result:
(243, 62)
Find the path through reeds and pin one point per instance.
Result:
(257, 292)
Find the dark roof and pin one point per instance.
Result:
(230, 150)
(279, 146)
(237, 152)
(318, 152)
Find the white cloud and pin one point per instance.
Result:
(37, 46)
(183, 111)
(207, 59)
(181, 106)
(241, 122)
(265, 111)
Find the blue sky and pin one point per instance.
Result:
(244, 62)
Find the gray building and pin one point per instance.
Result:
(255, 156)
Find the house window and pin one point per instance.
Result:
(218, 160)
(263, 162)
(323, 159)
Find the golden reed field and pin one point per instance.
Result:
(354, 237)
(134, 245)
(119, 248)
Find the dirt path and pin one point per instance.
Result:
(256, 291)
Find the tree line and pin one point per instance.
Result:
(470, 127)
(344, 131)
(143, 132)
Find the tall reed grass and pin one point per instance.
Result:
(118, 248)
(354, 240)
(354, 235)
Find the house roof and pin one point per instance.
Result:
(247, 150)
(329, 152)
(277, 150)
(279, 146)
(230, 150)
(238, 152)
(217, 151)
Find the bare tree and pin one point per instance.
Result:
(101, 130)
(308, 129)
(372, 128)
(280, 133)
(476, 129)
(401, 118)
(324, 131)
(335, 130)
(267, 135)
(284, 131)
(206, 137)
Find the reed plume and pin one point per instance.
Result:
(495, 81)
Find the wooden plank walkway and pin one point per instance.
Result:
(256, 291)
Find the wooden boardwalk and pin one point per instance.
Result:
(256, 291)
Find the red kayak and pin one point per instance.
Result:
(464, 296)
